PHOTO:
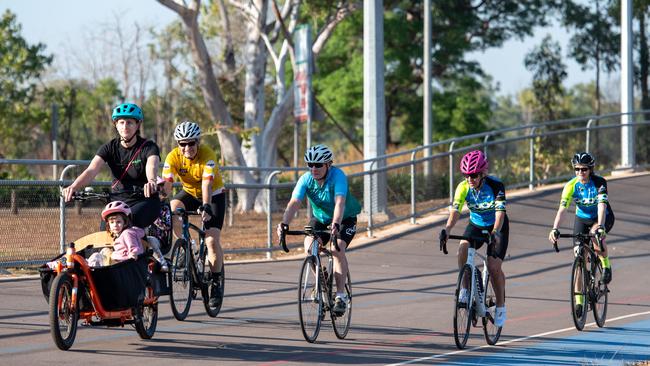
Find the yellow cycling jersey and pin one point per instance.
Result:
(192, 172)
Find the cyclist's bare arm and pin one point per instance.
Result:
(289, 213)
(84, 178)
(602, 208)
(498, 220)
(452, 220)
(206, 197)
(151, 170)
(556, 223)
(337, 217)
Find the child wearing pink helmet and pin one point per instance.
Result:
(126, 244)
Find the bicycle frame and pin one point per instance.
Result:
(191, 256)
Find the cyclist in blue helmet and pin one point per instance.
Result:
(133, 161)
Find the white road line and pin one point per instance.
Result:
(432, 357)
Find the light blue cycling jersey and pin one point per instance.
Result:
(322, 198)
(482, 204)
(586, 196)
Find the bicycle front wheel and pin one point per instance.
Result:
(310, 300)
(598, 294)
(341, 323)
(579, 289)
(490, 330)
(181, 280)
(63, 316)
(463, 310)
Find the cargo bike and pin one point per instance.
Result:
(116, 295)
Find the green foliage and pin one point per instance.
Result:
(545, 62)
(21, 65)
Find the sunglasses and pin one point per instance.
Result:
(473, 176)
(315, 165)
(581, 169)
(188, 143)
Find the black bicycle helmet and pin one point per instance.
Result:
(583, 158)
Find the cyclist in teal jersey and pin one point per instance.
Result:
(486, 199)
(326, 187)
(593, 212)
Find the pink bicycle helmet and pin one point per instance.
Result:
(116, 207)
(473, 162)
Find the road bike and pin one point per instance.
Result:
(586, 280)
(115, 295)
(481, 298)
(190, 273)
(316, 287)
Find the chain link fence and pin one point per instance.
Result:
(525, 156)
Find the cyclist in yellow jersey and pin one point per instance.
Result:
(195, 165)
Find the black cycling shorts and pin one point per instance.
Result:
(583, 226)
(499, 250)
(347, 232)
(218, 205)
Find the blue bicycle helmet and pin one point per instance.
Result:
(127, 110)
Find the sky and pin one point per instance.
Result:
(61, 24)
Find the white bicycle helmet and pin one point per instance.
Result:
(187, 131)
(318, 154)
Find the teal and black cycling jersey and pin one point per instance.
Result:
(586, 196)
(322, 198)
(482, 204)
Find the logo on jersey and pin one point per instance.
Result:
(602, 189)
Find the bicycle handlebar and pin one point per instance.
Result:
(308, 231)
(443, 242)
(578, 236)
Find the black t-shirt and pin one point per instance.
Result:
(117, 157)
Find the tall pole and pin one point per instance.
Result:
(627, 96)
(427, 118)
(374, 118)
(55, 133)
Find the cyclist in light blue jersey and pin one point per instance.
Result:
(326, 187)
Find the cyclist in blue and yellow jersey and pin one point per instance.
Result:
(203, 190)
(326, 187)
(486, 199)
(593, 212)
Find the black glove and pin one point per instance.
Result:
(207, 208)
(556, 233)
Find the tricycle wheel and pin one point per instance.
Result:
(63, 314)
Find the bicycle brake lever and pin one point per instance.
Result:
(557, 250)
(283, 242)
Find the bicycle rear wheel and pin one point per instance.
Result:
(310, 300)
(598, 294)
(463, 312)
(578, 279)
(206, 291)
(341, 323)
(181, 280)
(490, 330)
